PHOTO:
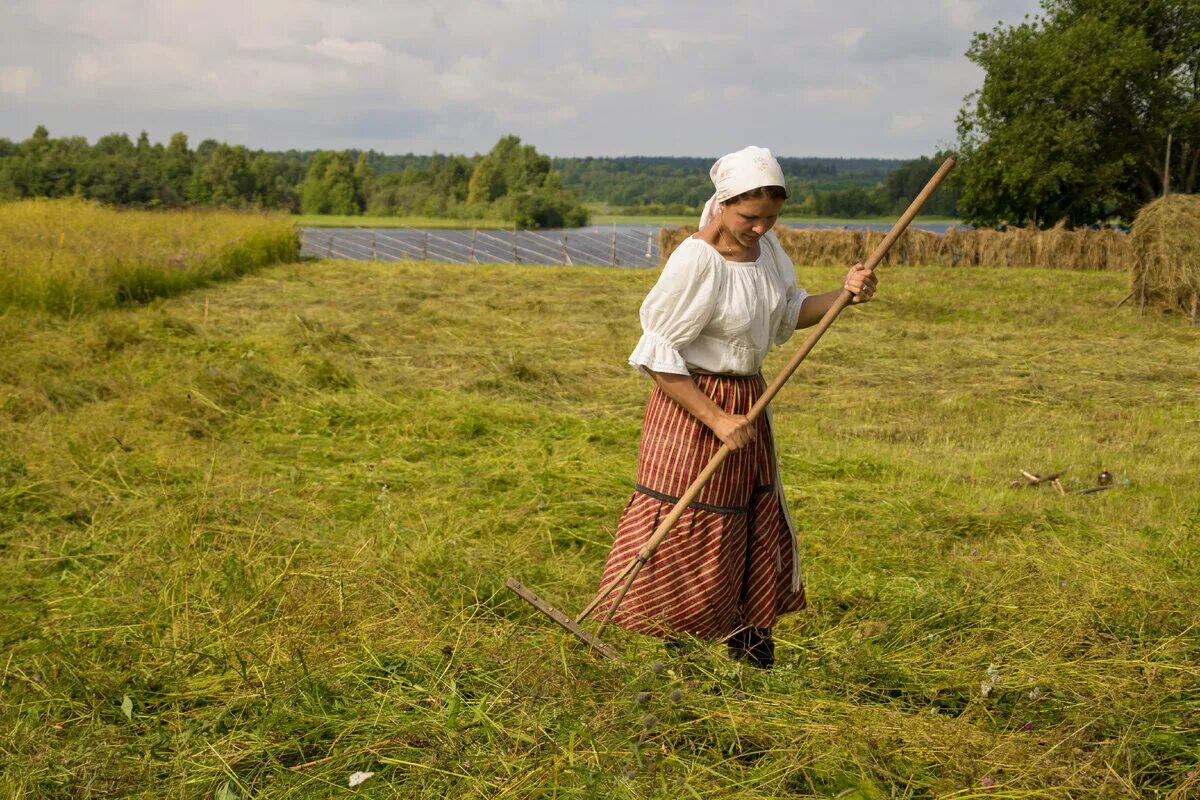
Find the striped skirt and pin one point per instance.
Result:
(729, 561)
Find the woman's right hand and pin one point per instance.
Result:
(734, 430)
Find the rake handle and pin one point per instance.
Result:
(842, 300)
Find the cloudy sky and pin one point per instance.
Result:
(807, 77)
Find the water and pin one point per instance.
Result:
(627, 245)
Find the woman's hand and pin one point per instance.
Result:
(734, 430)
(861, 282)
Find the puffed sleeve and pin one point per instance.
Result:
(678, 307)
(793, 294)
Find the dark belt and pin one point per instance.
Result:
(697, 371)
(646, 490)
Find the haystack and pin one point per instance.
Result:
(670, 238)
(1166, 246)
(821, 247)
(1057, 248)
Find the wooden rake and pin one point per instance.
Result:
(626, 578)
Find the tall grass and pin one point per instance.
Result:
(253, 540)
(74, 256)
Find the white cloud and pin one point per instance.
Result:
(242, 83)
(861, 91)
(146, 74)
(137, 66)
(849, 38)
(467, 80)
(358, 53)
(677, 40)
(548, 117)
(16, 80)
(589, 82)
(906, 122)
(574, 78)
(631, 12)
(962, 13)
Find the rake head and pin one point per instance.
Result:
(587, 637)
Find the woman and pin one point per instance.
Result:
(730, 565)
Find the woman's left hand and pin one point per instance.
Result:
(861, 282)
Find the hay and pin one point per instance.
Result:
(670, 238)
(1057, 248)
(1166, 244)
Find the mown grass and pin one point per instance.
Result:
(73, 256)
(254, 540)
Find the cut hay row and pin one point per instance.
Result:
(1059, 248)
(1166, 243)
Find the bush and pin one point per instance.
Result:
(543, 208)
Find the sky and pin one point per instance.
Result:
(850, 78)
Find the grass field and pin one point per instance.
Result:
(73, 256)
(253, 540)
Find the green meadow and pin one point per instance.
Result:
(253, 539)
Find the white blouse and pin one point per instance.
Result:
(710, 314)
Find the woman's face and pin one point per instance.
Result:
(749, 219)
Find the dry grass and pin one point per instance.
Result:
(1166, 241)
(74, 256)
(276, 516)
(1057, 248)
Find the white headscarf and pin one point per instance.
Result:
(732, 174)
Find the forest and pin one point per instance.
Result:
(512, 182)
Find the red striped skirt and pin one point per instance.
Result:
(728, 562)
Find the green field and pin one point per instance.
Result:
(253, 539)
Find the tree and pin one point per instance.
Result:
(1073, 118)
(905, 183)
(330, 186)
(8, 186)
(224, 177)
(272, 188)
(177, 165)
(112, 171)
(508, 167)
(544, 207)
(516, 182)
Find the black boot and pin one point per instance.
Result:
(754, 646)
(762, 648)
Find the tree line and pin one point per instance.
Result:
(511, 182)
(844, 187)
